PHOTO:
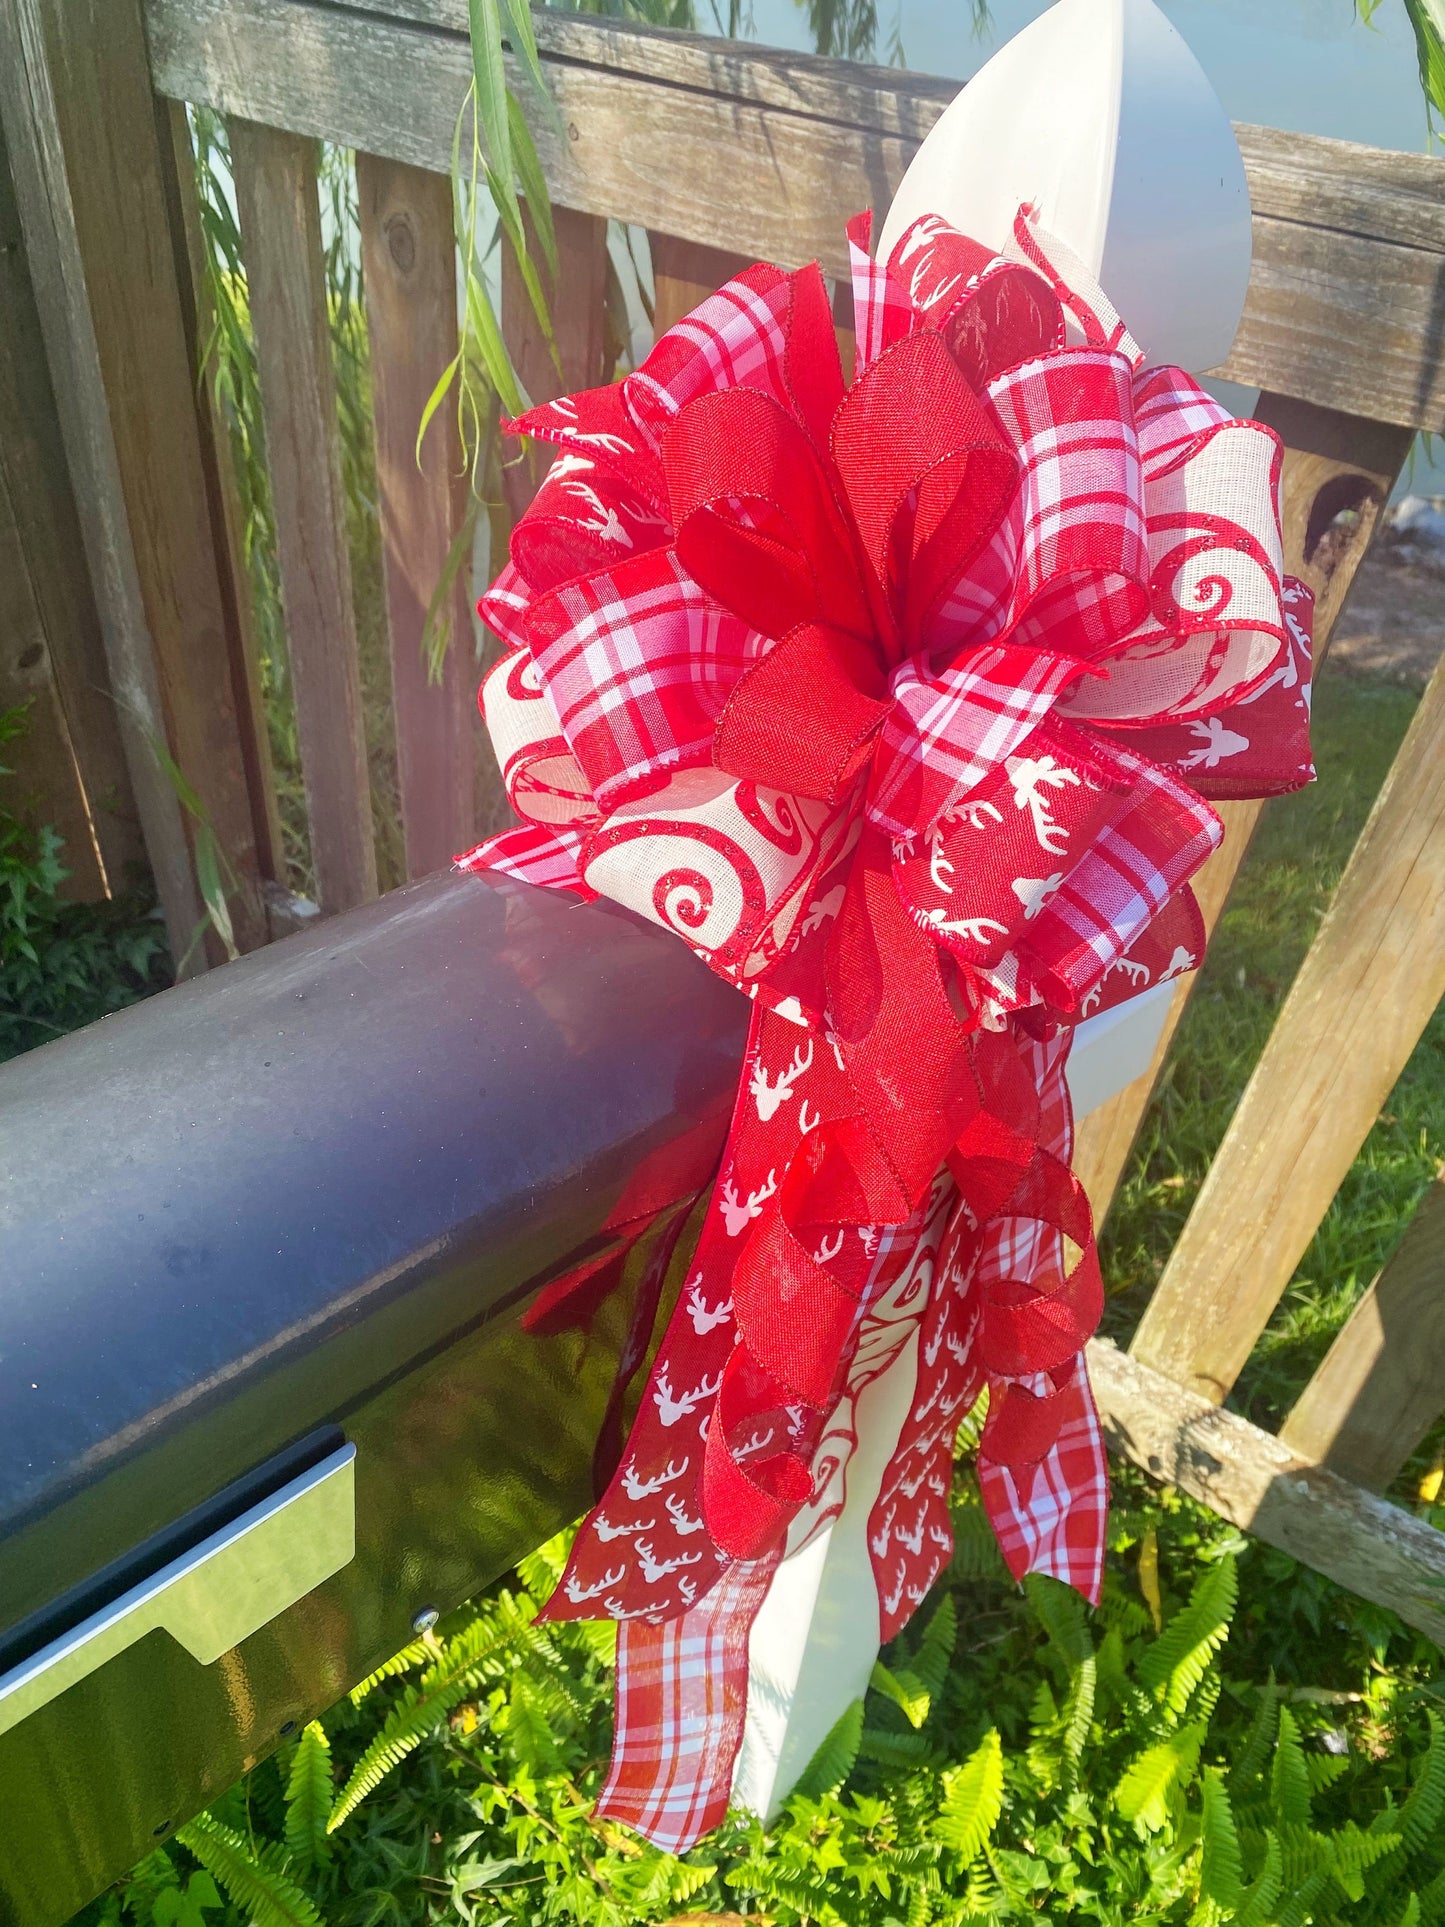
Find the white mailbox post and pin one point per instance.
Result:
(1100, 116)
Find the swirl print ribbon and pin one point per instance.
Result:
(900, 702)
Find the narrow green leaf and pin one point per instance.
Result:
(533, 185)
(490, 77)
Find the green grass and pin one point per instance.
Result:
(1282, 892)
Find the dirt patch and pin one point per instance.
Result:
(1392, 628)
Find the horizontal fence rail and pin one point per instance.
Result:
(767, 154)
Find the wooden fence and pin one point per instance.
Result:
(719, 151)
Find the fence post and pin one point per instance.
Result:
(85, 149)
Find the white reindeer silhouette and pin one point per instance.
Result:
(939, 867)
(606, 524)
(577, 1592)
(753, 1443)
(636, 1488)
(688, 1589)
(977, 814)
(1215, 743)
(1034, 892)
(738, 1214)
(683, 1524)
(769, 1096)
(671, 1408)
(654, 1568)
(821, 909)
(971, 929)
(1031, 776)
(806, 1123)
(826, 1253)
(705, 1317)
(605, 1529)
(1181, 961)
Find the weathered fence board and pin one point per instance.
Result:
(762, 154)
(1364, 1543)
(409, 269)
(276, 195)
(226, 513)
(1382, 1384)
(81, 129)
(578, 302)
(1364, 993)
(684, 273)
(69, 764)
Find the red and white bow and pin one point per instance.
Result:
(899, 702)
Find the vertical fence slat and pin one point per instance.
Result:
(409, 266)
(1331, 462)
(70, 758)
(578, 306)
(684, 273)
(81, 128)
(1382, 1383)
(1364, 993)
(276, 194)
(226, 516)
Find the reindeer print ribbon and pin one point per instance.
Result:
(900, 702)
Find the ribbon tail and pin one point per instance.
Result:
(681, 1700)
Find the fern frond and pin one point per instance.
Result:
(309, 1793)
(1325, 1768)
(1411, 1915)
(1301, 1904)
(403, 1662)
(1289, 1779)
(976, 1556)
(1143, 1794)
(930, 1663)
(529, 1730)
(1257, 1903)
(1079, 1714)
(835, 1757)
(895, 1749)
(1063, 1616)
(254, 1883)
(972, 1800)
(1353, 1853)
(540, 1570)
(1418, 1819)
(905, 1689)
(1432, 1901)
(1221, 1866)
(1251, 1761)
(423, 1708)
(1178, 1659)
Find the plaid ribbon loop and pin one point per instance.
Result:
(900, 702)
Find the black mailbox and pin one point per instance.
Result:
(267, 1384)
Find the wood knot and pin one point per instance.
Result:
(401, 242)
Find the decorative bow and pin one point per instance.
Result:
(883, 697)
